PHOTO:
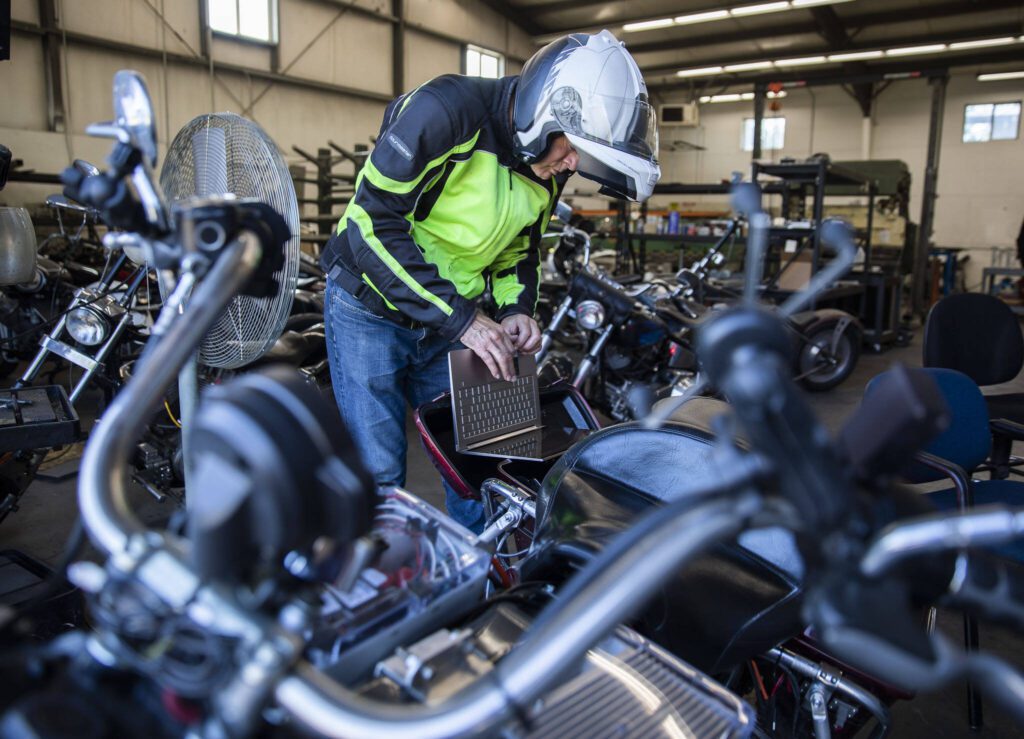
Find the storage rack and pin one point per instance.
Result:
(874, 295)
(331, 188)
(634, 258)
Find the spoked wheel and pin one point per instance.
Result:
(826, 359)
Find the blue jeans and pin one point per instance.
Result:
(376, 368)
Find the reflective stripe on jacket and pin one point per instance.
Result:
(441, 206)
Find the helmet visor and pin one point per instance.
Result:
(626, 124)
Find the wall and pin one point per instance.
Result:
(980, 203)
(322, 41)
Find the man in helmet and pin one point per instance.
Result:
(455, 197)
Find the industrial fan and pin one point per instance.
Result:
(219, 154)
(225, 154)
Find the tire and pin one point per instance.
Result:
(815, 352)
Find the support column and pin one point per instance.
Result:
(759, 96)
(865, 137)
(398, 48)
(52, 66)
(930, 193)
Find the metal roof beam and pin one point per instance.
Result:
(830, 27)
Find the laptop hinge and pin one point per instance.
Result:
(503, 437)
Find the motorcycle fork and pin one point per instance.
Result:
(590, 361)
(52, 344)
(548, 337)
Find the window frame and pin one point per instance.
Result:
(992, 120)
(273, 8)
(482, 51)
(743, 134)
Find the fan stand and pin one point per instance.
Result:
(188, 401)
(188, 398)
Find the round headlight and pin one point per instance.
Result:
(589, 315)
(86, 326)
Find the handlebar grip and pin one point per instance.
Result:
(989, 586)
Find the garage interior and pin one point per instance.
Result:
(900, 118)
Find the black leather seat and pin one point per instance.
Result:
(734, 602)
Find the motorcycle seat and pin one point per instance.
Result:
(738, 599)
(296, 348)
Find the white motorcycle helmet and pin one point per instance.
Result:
(588, 87)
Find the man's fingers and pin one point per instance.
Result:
(504, 359)
(531, 342)
(485, 355)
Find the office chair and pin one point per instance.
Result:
(980, 336)
(956, 454)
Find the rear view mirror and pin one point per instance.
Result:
(563, 212)
(86, 168)
(133, 112)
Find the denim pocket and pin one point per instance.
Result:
(350, 304)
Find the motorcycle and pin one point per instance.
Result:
(827, 341)
(290, 607)
(634, 350)
(637, 338)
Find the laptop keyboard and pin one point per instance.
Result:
(485, 409)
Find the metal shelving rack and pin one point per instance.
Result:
(875, 298)
(332, 188)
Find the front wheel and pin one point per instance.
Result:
(827, 359)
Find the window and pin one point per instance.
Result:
(250, 19)
(991, 122)
(484, 63)
(773, 133)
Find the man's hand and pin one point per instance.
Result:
(489, 341)
(524, 332)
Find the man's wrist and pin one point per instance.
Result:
(462, 316)
(512, 310)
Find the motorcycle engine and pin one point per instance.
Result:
(426, 572)
(627, 686)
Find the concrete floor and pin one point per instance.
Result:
(47, 513)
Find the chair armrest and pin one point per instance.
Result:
(1006, 427)
(961, 480)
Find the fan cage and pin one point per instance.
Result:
(220, 154)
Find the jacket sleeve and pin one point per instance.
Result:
(410, 156)
(515, 274)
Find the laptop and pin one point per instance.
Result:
(497, 418)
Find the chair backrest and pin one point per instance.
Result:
(976, 334)
(968, 440)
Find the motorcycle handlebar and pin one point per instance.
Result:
(102, 490)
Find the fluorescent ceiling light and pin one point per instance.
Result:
(706, 16)
(851, 56)
(983, 42)
(698, 72)
(909, 50)
(733, 97)
(710, 15)
(648, 25)
(812, 3)
(762, 8)
(800, 61)
(996, 76)
(747, 66)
